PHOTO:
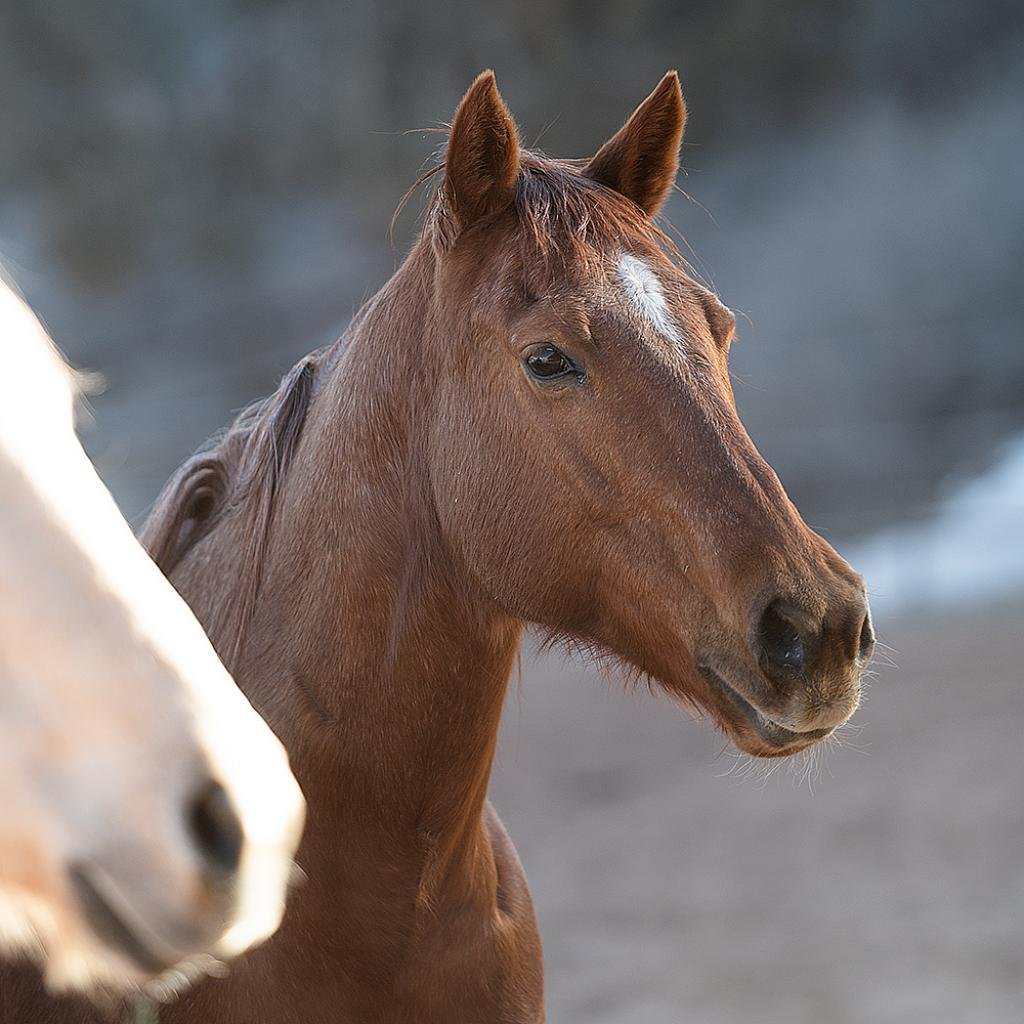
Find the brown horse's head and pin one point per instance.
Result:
(585, 456)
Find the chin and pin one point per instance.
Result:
(753, 743)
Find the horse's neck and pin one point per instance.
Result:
(372, 653)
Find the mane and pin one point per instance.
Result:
(240, 473)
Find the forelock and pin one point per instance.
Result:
(567, 223)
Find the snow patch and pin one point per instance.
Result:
(970, 552)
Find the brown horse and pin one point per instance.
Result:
(531, 423)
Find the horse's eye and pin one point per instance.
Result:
(546, 363)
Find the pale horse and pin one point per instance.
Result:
(148, 816)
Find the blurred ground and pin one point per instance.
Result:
(672, 889)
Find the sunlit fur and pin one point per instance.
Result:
(114, 711)
(367, 547)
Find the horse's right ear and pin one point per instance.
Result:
(482, 162)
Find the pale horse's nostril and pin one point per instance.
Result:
(781, 647)
(216, 831)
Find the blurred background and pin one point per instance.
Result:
(192, 195)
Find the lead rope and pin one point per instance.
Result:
(144, 1011)
(144, 1007)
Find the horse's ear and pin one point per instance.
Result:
(482, 162)
(641, 159)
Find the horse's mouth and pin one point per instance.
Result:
(775, 740)
(116, 923)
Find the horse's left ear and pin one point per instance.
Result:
(641, 159)
(482, 162)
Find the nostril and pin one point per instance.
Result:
(782, 647)
(216, 831)
(867, 638)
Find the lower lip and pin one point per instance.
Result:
(775, 735)
(110, 926)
